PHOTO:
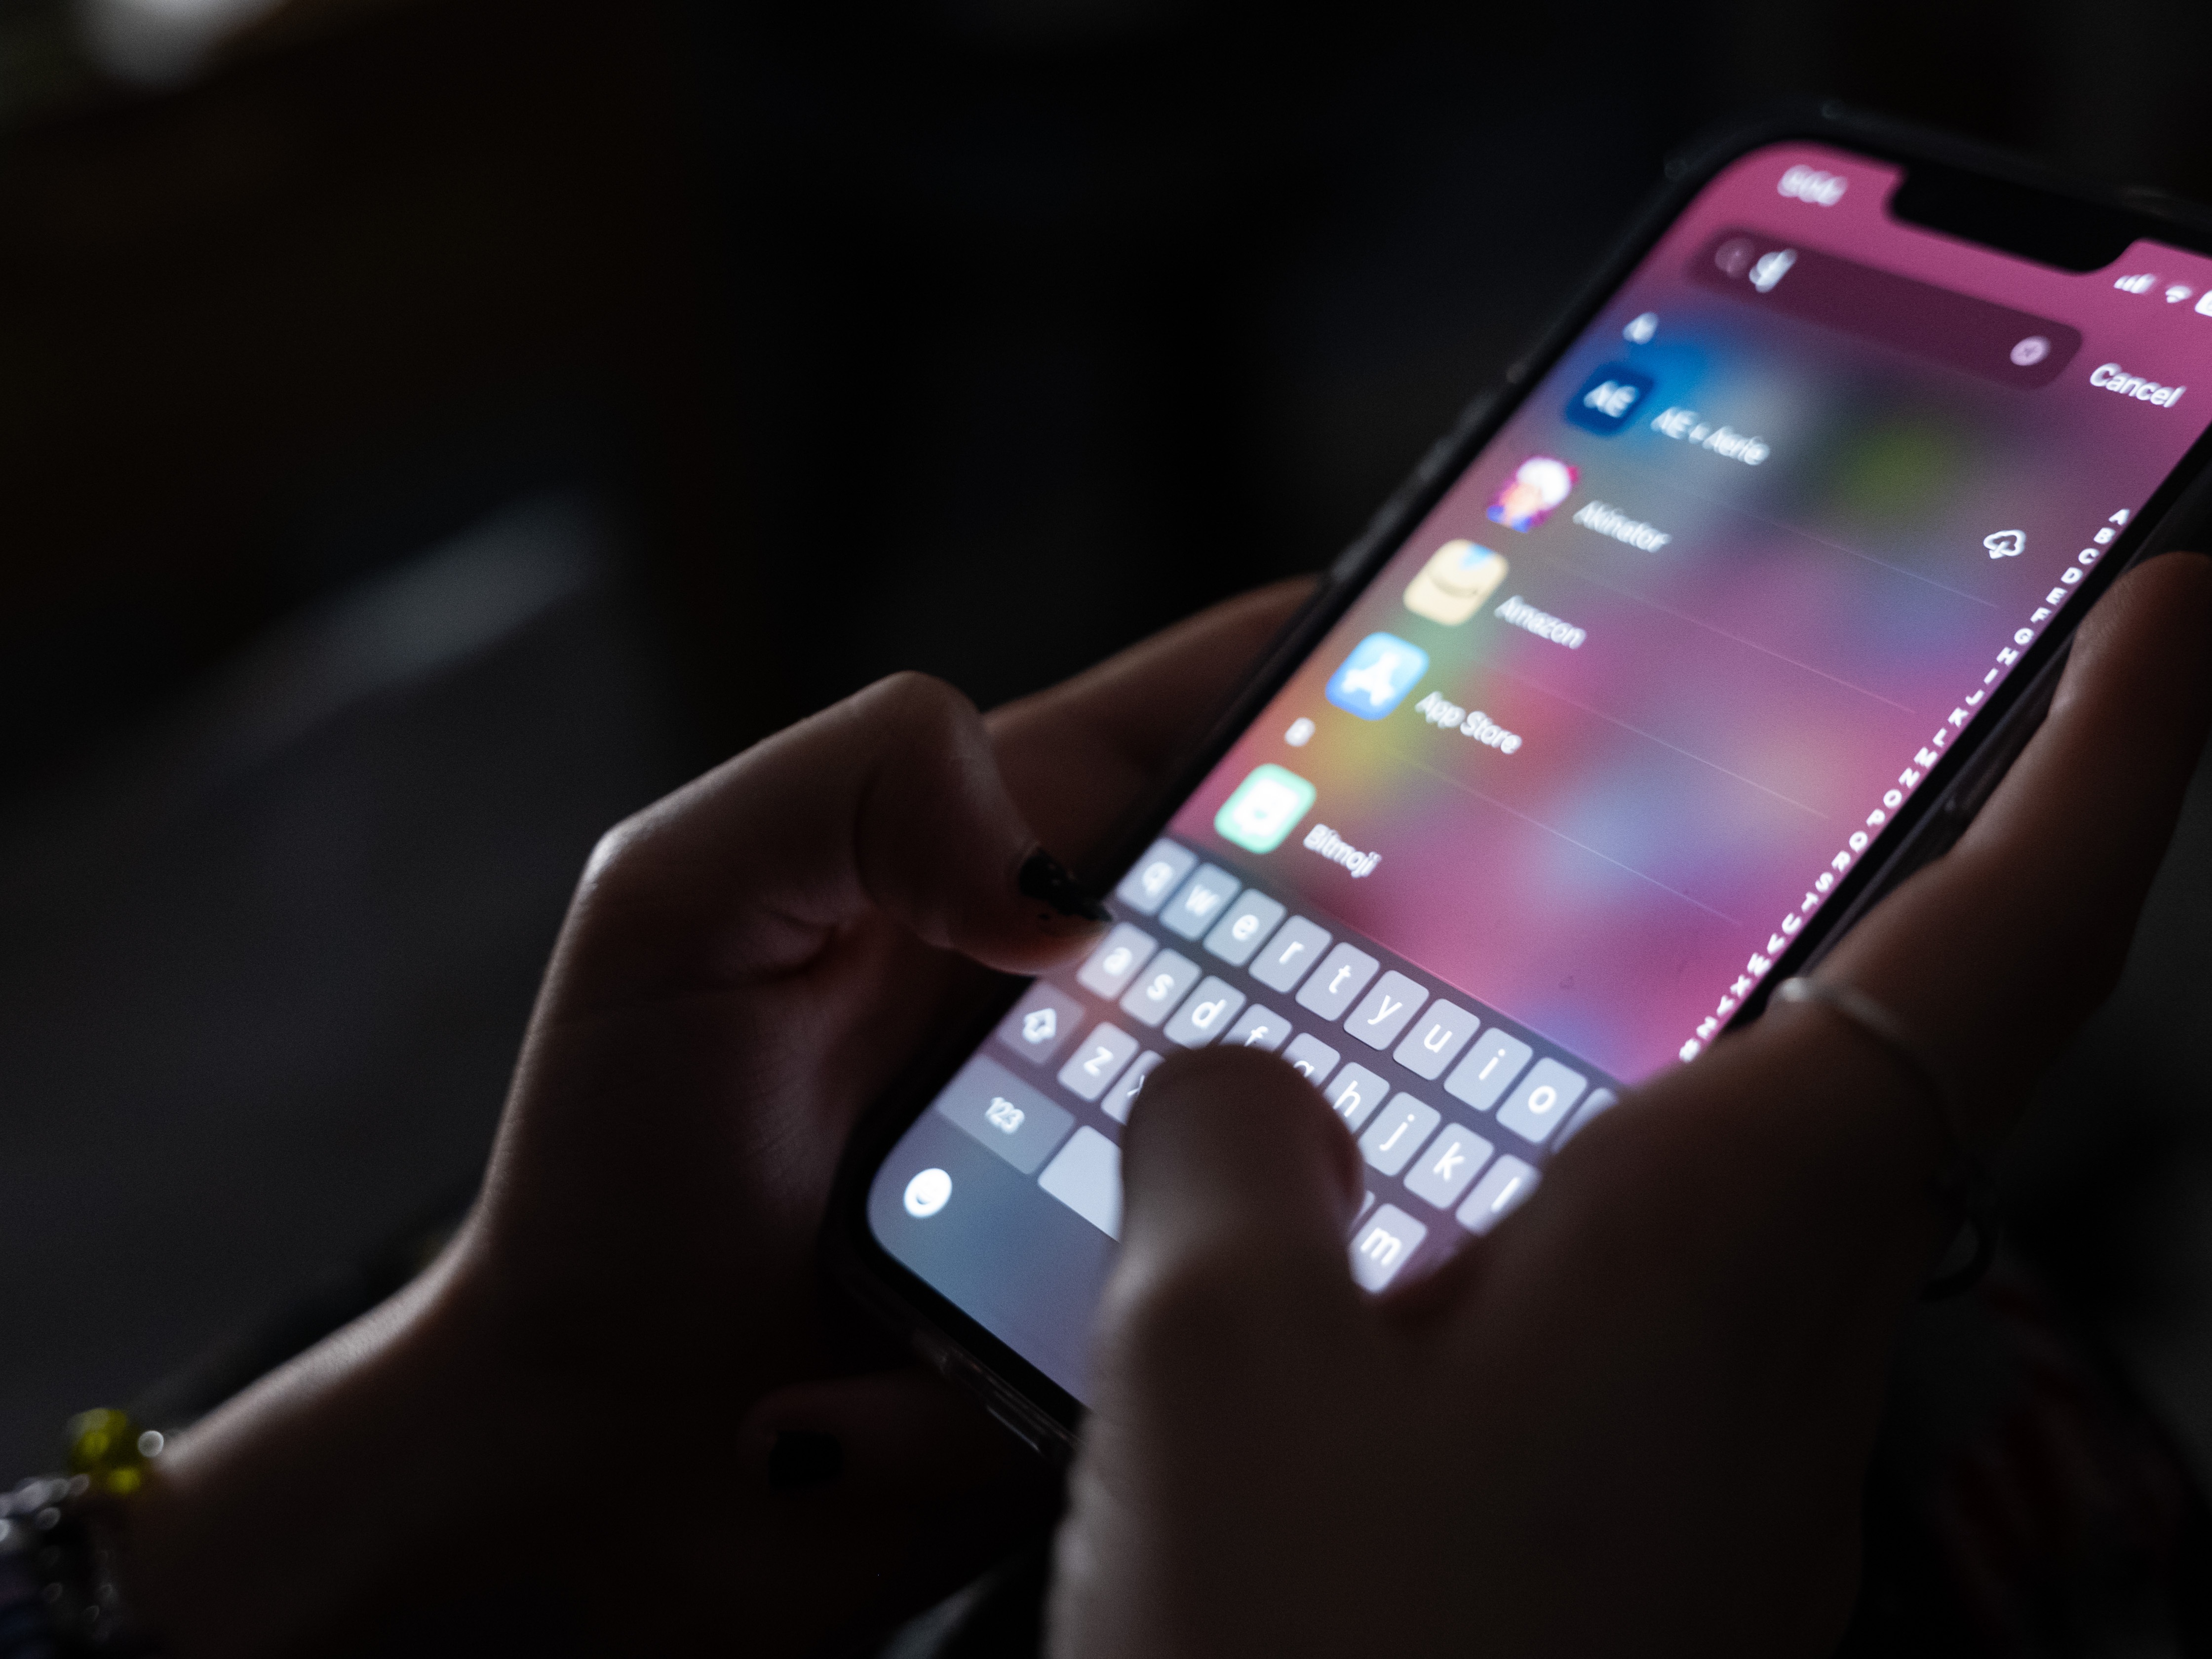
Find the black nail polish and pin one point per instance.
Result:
(1051, 883)
(801, 1458)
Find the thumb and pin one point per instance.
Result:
(890, 803)
(1233, 1166)
(1238, 1185)
(1230, 1338)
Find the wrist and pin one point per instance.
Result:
(332, 1488)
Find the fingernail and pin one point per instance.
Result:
(1067, 909)
(801, 1458)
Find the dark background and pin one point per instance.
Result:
(430, 429)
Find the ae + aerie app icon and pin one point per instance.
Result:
(1609, 400)
(1374, 678)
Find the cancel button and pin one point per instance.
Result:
(2112, 378)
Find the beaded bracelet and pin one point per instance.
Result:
(58, 1591)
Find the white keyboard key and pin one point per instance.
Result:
(1543, 1102)
(1040, 1022)
(1154, 876)
(1386, 1011)
(1454, 1158)
(1159, 987)
(1355, 1094)
(1434, 1039)
(1086, 1176)
(1383, 1245)
(1123, 1095)
(1342, 975)
(1290, 955)
(1394, 1136)
(1200, 903)
(1238, 934)
(1206, 1014)
(1258, 1028)
(1504, 1188)
(1096, 1061)
(1312, 1058)
(1488, 1070)
(1116, 962)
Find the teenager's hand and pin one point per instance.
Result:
(594, 1377)
(1635, 1420)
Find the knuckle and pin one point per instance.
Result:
(617, 861)
(918, 707)
(610, 853)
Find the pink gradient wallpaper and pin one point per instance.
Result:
(1772, 584)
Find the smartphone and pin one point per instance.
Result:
(1720, 614)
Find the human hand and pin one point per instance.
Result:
(1636, 1418)
(633, 1306)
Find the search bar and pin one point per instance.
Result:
(2015, 348)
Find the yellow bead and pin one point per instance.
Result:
(105, 1447)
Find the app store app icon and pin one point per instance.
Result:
(1265, 807)
(1374, 678)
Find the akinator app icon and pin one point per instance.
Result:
(1374, 678)
(1538, 485)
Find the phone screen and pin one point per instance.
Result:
(1602, 736)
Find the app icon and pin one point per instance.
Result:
(1453, 584)
(1609, 400)
(1265, 807)
(1538, 485)
(1380, 670)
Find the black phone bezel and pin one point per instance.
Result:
(1032, 1404)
